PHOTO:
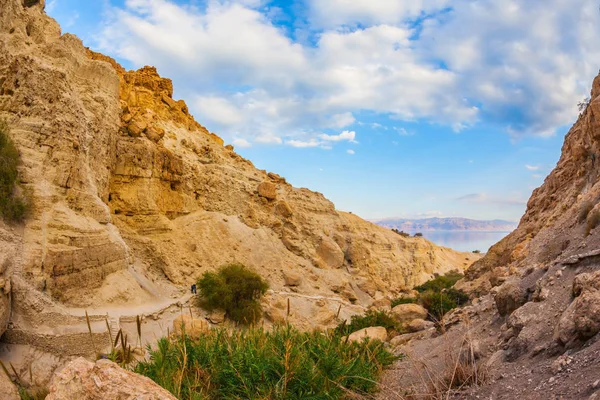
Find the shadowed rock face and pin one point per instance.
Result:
(121, 175)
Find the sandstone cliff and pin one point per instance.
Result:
(133, 200)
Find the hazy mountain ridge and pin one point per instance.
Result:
(447, 224)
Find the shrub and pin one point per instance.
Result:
(418, 234)
(255, 364)
(406, 300)
(234, 289)
(593, 220)
(370, 318)
(401, 233)
(439, 303)
(476, 251)
(440, 282)
(12, 207)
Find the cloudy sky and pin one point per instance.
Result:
(405, 108)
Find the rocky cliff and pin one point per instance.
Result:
(133, 200)
(533, 327)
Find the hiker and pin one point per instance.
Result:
(194, 288)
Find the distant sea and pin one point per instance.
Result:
(464, 240)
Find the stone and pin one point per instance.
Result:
(581, 320)
(155, 133)
(367, 286)
(136, 127)
(84, 380)
(291, 278)
(408, 312)
(371, 333)
(217, 317)
(402, 339)
(193, 327)
(267, 190)
(417, 325)
(509, 297)
(282, 208)
(330, 253)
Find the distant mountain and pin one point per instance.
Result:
(446, 224)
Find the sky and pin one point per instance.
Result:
(390, 108)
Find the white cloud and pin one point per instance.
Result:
(342, 120)
(351, 152)
(404, 132)
(331, 13)
(242, 143)
(303, 144)
(346, 135)
(269, 139)
(522, 65)
(532, 167)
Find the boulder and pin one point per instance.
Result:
(509, 297)
(84, 380)
(371, 333)
(581, 320)
(409, 312)
(417, 325)
(292, 278)
(402, 339)
(155, 133)
(282, 208)
(136, 127)
(330, 253)
(193, 327)
(217, 317)
(267, 190)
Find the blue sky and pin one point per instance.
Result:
(389, 108)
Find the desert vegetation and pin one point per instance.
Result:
(438, 296)
(256, 364)
(234, 289)
(401, 233)
(369, 319)
(13, 207)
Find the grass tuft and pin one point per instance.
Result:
(255, 364)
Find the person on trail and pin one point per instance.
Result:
(194, 288)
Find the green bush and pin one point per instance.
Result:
(439, 303)
(12, 207)
(234, 289)
(406, 300)
(255, 364)
(370, 318)
(440, 282)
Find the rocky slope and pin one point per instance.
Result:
(534, 324)
(133, 200)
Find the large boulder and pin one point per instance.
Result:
(581, 320)
(84, 380)
(418, 325)
(408, 312)
(330, 253)
(509, 297)
(193, 327)
(267, 190)
(371, 333)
